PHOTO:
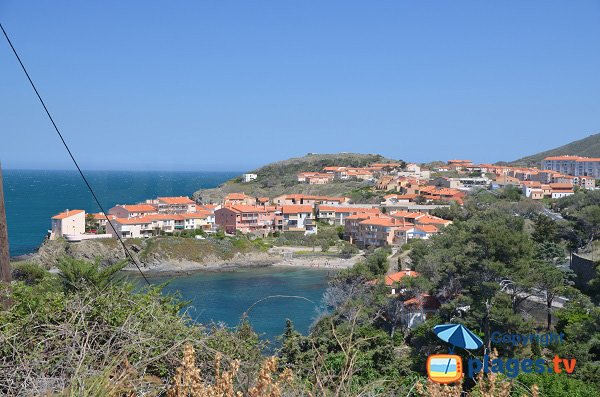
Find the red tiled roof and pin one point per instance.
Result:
(139, 207)
(395, 277)
(175, 200)
(296, 208)
(67, 213)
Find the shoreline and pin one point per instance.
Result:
(189, 268)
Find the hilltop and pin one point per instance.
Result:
(281, 177)
(586, 147)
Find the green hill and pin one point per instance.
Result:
(587, 147)
(281, 177)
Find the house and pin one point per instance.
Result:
(315, 178)
(288, 199)
(434, 193)
(238, 199)
(336, 214)
(559, 190)
(264, 201)
(100, 219)
(387, 182)
(376, 231)
(392, 280)
(298, 217)
(423, 232)
(249, 177)
(68, 222)
(418, 309)
(175, 205)
(395, 199)
(246, 219)
(452, 183)
(130, 227)
(132, 211)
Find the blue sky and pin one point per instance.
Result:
(221, 85)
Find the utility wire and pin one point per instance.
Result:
(127, 253)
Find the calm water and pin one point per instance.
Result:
(224, 297)
(33, 196)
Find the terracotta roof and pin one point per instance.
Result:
(132, 221)
(380, 221)
(296, 208)
(67, 213)
(427, 228)
(247, 208)
(175, 200)
(561, 186)
(101, 216)
(139, 207)
(395, 277)
(426, 301)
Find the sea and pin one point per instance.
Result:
(32, 197)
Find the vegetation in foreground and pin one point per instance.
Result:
(86, 333)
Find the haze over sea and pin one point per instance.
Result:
(33, 196)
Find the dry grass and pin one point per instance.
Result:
(188, 383)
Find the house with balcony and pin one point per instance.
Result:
(132, 210)
(174, 205)
(337, 214)
(288, 199)
(246, 219)
(299, 218)
(238, 199)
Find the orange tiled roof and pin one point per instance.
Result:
(67, 213)
(296, 208)
(176, 200)
(139, 207)
(395, 277)
(427, 228)
(380, 221)
(249, 208)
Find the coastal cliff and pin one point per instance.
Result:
(162, 254)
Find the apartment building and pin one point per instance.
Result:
(337, 214)
(573, 165)
(174, 205)
(238, 199)
(246, 219)
(299, 218)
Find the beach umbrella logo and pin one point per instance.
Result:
(448, 368)
(458, 336)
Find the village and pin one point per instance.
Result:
(409, 193)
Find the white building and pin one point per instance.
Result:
(573, 165)
(69, 222)
(249, 177)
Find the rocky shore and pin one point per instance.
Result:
(176, 255)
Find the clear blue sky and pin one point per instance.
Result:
(221, 85)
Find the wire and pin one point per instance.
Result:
(127, 253)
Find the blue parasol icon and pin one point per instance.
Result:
(458, 335)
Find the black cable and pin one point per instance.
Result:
(127, 253)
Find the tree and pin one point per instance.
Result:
(549, 280)
(544, 229)
(90, 222)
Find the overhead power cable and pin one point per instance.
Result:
(127, 252)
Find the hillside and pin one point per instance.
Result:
(587, 147)
(281, 177)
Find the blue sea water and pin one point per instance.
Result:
(32, 197)
(223, 297)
